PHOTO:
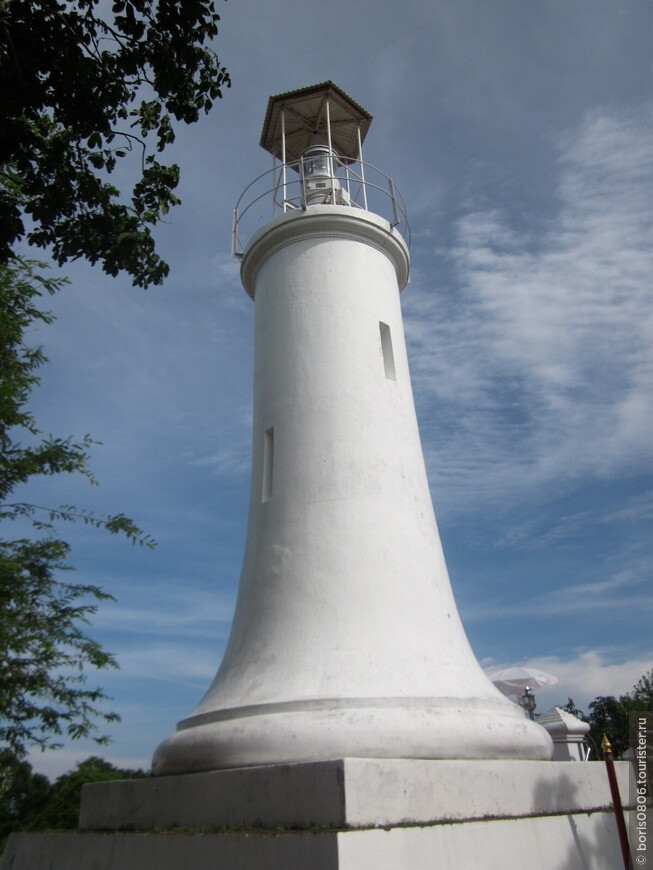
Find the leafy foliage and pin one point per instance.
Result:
(43, 649)
(84, 83)
(30, 802)
(642, 692)
(62, 809)
(610, 716)
(81, 89)
(23, 794)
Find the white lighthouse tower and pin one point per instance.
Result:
(346, 641)
(349, 726)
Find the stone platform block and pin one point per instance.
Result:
(348, 814)
(566, 842)
(351, 792)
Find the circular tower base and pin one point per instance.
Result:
(371, 728)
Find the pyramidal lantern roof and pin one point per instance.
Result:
(305, 116)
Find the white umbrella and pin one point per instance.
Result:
(512, 681)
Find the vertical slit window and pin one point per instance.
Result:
(386, 349)
(268, 463)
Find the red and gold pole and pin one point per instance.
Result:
(606, 746)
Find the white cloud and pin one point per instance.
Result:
(532, 360)
(197, 616)
(618, 594)
(541, 366)
(231, 457)
(172, 663)
(589, 674)
(537, 532)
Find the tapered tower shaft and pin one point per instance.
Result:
(346, 640)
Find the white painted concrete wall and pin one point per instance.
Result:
(346, 638)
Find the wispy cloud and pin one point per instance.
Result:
(529, 328)
(625, 592)
(169, 663)
(199, 615)
(540, 366)
(585, 676)
(539, 530)
(230, 458)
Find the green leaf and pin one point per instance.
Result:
(76, 72)
(45, 652)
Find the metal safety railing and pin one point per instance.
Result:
(358, 185)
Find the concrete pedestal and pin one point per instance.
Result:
(568, 734)
(350, 814)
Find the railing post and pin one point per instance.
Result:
(234, 234)
(275, 185)
(393, 197)
(333, 181)
(283, 155)
(360, 163)
(302, 200)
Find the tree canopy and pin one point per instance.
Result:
(30, 802)
(85, 83)
(43, 647)
(610, 716)
(81, 89)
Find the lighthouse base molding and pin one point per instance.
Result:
(348, 814)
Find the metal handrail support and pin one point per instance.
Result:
(393, 199)
(361, 164)
(234, 234)
(283, 153)
(302, 183)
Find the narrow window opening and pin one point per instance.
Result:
(388, 355)
(268, 463)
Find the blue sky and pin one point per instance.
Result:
(521, 136)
